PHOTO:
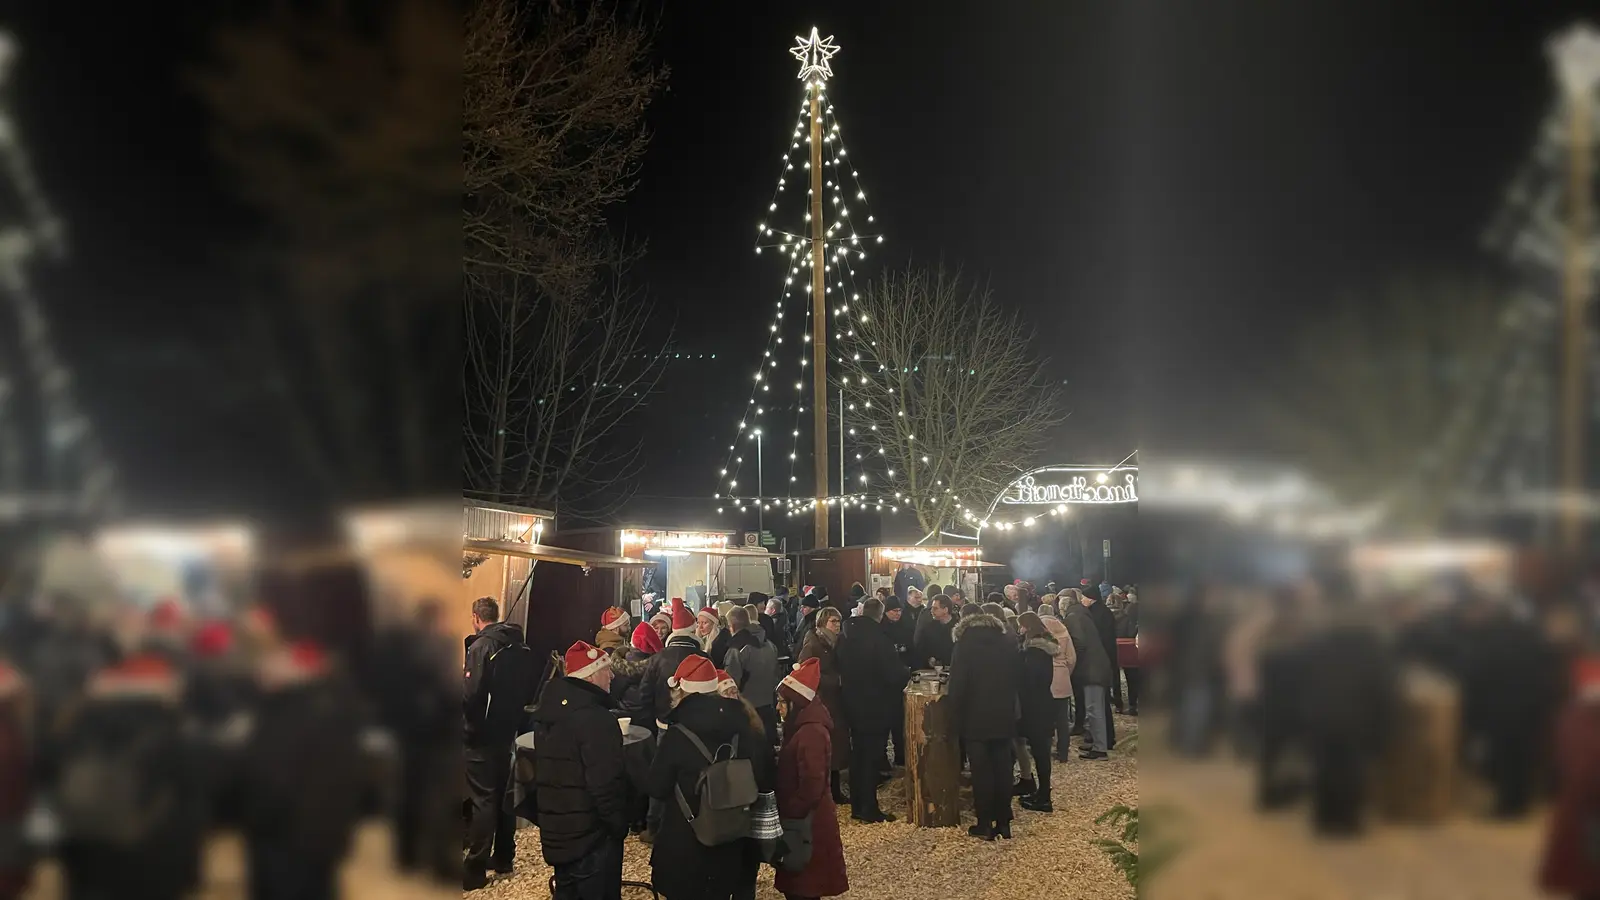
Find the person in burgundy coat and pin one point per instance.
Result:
(803, 770)
(1572, 869)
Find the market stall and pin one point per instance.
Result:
(837, 568)
(702, 567)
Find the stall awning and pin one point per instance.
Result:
(741, 551)
(547, 553)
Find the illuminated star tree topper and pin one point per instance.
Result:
(814, 53)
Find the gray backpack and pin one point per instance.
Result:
(726, 789)
(106, 796)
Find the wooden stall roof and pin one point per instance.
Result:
(547, 553)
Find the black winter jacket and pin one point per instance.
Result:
(494, 697)
(985, 674)
(655, 698)
(582, 787)
(933, 640)
(680, 865)
(1038, 668)
(872, 674)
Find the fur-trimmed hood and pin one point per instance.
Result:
(980, 620)
(1048, 645)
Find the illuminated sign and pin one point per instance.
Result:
(937, 557)
(1078, 486)
(674, 540)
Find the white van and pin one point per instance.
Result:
(743, 575)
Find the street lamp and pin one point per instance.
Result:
(760, 494)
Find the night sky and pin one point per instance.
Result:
(1170, 192)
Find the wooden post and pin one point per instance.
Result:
(933, 791)
(819, 325)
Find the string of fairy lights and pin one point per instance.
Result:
(841, 239)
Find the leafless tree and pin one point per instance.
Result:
(559, 350)
(552, 133)
(1388, 399)
(947, 377)
(342, 133)
(550, 382)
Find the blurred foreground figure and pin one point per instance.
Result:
(1511, 685)
(300, 777)
(130, 797)
(411, 683)
(16, 794)
(1572, 851)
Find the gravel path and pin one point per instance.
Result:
(1050, 856)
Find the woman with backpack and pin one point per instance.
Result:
(702, 852)
(805, 802)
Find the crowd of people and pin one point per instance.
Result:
(130, 736)
(1309, 672)
(767, 717)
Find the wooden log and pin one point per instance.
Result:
(1418, 780)
(933, 793)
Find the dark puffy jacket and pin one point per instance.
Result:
(752, 662)
(680, 865)
(872, 674)
(984, 677)
(582, 788)
(303, 774)
(933, 640)
(1094, 666)
(1038, 669)
(655, 698)
(495, 694)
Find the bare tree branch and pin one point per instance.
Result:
(1386, 398)
(341, 133)
(552, 132)
(956, 396)
(559, 351)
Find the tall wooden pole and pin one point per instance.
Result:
(819, 323)
(1577, 57)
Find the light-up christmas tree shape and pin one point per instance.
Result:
(1509, 423)
(821, 239)
(50, 463)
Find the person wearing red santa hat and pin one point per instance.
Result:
(142, 840)
(614, 624)
(709, 628)
(681, 867)
(655, 694)
(627, 669)
(581, 785)
(803, 785)
(302, 786)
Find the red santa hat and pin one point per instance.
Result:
(695, 675)
(710, 615)
(682, 622)
(213, 639)
(583, 660)
(804, 679)
(143, 675)
(614, 619)
(726, 684)
(645, 639)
